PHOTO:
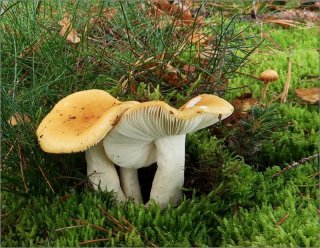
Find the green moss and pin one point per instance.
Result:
(299, 139)
(227, 202)
(245, 209)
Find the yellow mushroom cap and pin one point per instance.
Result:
(80, 121)
(269, 75)
(205, 103)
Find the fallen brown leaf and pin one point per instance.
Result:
(242, 105)
(311, 95)
(170, 74)
(245, 102)
(197, 38)
(66, 28)
(17, 119)
(179, 10)
(109, 13)
(206, 53)
(189, 68)
(283, 23)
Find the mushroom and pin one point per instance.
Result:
(155, 132)
(267, 76)
(78, 123)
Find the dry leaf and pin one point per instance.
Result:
(66, 27)
(163, 5)
(244, 103)
(311, 95)
(17, 119)
(206, 53)
(109, 13)
(30, 49)
(283, 23)
(290, 18)
(197, 38)
(177, 9)
(170, 74)
(189, 68)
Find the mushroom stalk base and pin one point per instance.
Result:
(130, 183)
(169, 178)
(102, 172)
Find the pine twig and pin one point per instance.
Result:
(84, 222)
(295, 164)
(125, 226)
(283, 219)
(22, 168)
(67, 228)
(10, 150)
(44, 175)
(93, 241)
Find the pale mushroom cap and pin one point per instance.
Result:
(269, 75)
(79, 121)
(131, 142)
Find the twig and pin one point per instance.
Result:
(248, 75)
(93, 241)
(284, 94)
(283, 219)
(12, 146)
(68, 227)
(10, 7)
(22, 165)
(46, 179)
(314, 174)
(83, 222)
(114, 220)
(126, 226)
(295, 164)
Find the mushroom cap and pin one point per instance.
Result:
(269, 75)
(79, 121)
(131, 142)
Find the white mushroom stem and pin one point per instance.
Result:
(102, 172)
(130, 183)
(169, 178)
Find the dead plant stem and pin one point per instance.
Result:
(22, 165)
(44, 175)
(285, 91)
(295, 164)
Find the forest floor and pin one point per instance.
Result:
(251, 180)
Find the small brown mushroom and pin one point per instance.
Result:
(267, 76)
